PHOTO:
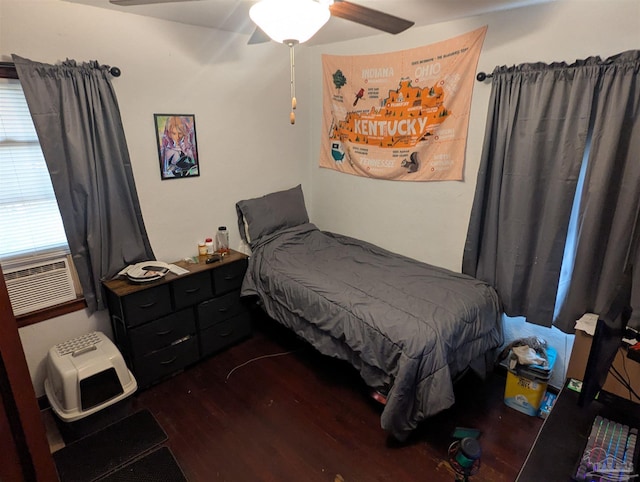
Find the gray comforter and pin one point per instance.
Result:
(407, 326)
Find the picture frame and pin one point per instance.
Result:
(177, 145)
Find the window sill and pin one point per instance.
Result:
(48, 313)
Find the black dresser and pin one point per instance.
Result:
(163, 326)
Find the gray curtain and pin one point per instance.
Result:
(607, 240)
(77, 119)
(539, 126)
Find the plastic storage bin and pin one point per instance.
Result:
(527, 384)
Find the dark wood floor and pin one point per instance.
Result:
(273, 409)
(306, 417)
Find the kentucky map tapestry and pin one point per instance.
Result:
(400, 116)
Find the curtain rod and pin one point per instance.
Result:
(482, 76)
(115, 71)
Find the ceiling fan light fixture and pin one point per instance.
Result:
(290, 20)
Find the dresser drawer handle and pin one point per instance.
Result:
(162, 333)
(223, 310)
(169, 362)
(228, 333)
(192, 290)
(229, 278)
(148, 305)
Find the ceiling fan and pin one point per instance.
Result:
(338, 8)
(295, 21)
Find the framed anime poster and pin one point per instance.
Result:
(177, 148)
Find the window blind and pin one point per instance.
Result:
(30, 222)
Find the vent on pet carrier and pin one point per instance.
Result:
(39, 285)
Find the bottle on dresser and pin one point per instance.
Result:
(222, 240)
(209, 244)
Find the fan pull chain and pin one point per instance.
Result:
(294, 102)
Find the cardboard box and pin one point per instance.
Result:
(548, 401)
(578, 364)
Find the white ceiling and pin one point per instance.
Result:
(233, 15)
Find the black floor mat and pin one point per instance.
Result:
(158, 466)
(73, 431)
(108, 449)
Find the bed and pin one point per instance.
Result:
(409, 328)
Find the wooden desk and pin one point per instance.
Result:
(563, 436)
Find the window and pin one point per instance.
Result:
(33, 246)
(30, 222)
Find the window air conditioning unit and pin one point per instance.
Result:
(39, 285)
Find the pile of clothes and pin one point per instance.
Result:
(530, 357)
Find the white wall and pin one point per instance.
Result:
(240, 97)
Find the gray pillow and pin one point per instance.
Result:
(273, 212)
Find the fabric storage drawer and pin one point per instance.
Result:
(156, 325)
(162, 332)
(165, 362)
(229, 277)
(218, 309)
(146, 305)
(225, 333)
(191, 290)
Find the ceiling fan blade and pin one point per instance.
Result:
(369, 17)
(258, 37)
